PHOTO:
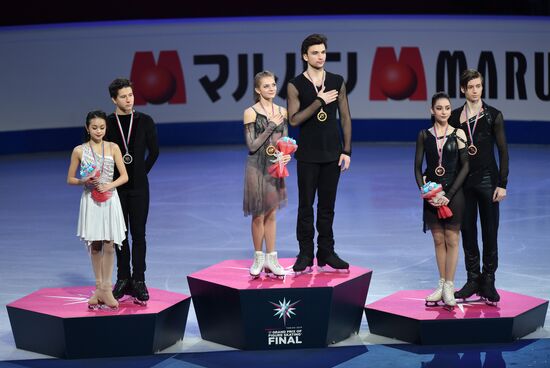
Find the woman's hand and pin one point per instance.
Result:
(104, 187)
(277, 119)
(286, 159)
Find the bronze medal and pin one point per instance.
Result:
(440, 171)
(472, 150)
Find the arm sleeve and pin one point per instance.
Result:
(296, 117)
(459, 180)
(345, 118)
(254, 143)
(502, 146)
(418, 157)
(152, 146)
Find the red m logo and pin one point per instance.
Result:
(160, 82)
(397, 79)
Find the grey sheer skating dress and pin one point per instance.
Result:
(262, 192)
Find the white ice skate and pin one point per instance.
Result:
(434, 298)
(272, 265)
(449, 295)
(258, 265)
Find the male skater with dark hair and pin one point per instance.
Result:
(484, 187)
(136, 135)
(314, 98)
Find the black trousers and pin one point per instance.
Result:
(321, 179)
(135, 207)
(480, 196)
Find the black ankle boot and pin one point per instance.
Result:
(302, 262)
(332, 260)
(470, 288)
(140, 291)
(487, 288)
(122, 287)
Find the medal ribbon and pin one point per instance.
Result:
(444, 139)
(471, 131)
(312, 82)
(124, 140)
(102, 156)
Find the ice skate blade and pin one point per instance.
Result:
(449, 308)
(332, 270)
(142, 303)
(307, 270)
(124, 298)
(254, 277)
(468, 300)
(272, 275)
(102, 307)
(431, 304)
(490, 303)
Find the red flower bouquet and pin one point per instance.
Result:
(431, 190)
(284, 146)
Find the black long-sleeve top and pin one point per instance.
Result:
(319, 141)
(489, 131)
(143, 146)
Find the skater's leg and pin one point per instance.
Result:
(95, 255)
(138, 212)
(451, 256)
(270, 230)
(258, 232)
(440, 254)
(107, 263)
(438, 235)
(307, 175)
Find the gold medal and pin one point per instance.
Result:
(271, 150)
(321, 115)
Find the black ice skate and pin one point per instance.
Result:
(332, 260)
(302, 262)
(141, 294)
(122, 287)
(470, 288)
(488, 291)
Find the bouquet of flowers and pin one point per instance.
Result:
(284, 146)
(89, 170)
(432, 190)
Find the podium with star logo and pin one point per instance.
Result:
(404, 316)
(57, 322)
(298, 311)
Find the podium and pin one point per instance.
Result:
(300, 311)
(57, 322)
(404, 316)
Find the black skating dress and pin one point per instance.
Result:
(455, 162)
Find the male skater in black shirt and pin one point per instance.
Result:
(484, 187)
(314, 98)
(136, 135)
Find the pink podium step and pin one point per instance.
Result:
(404, 316)
(57, 322)
(300, 311)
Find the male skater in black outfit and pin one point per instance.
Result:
(484, 187)
(314, 98)
(136, 135)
